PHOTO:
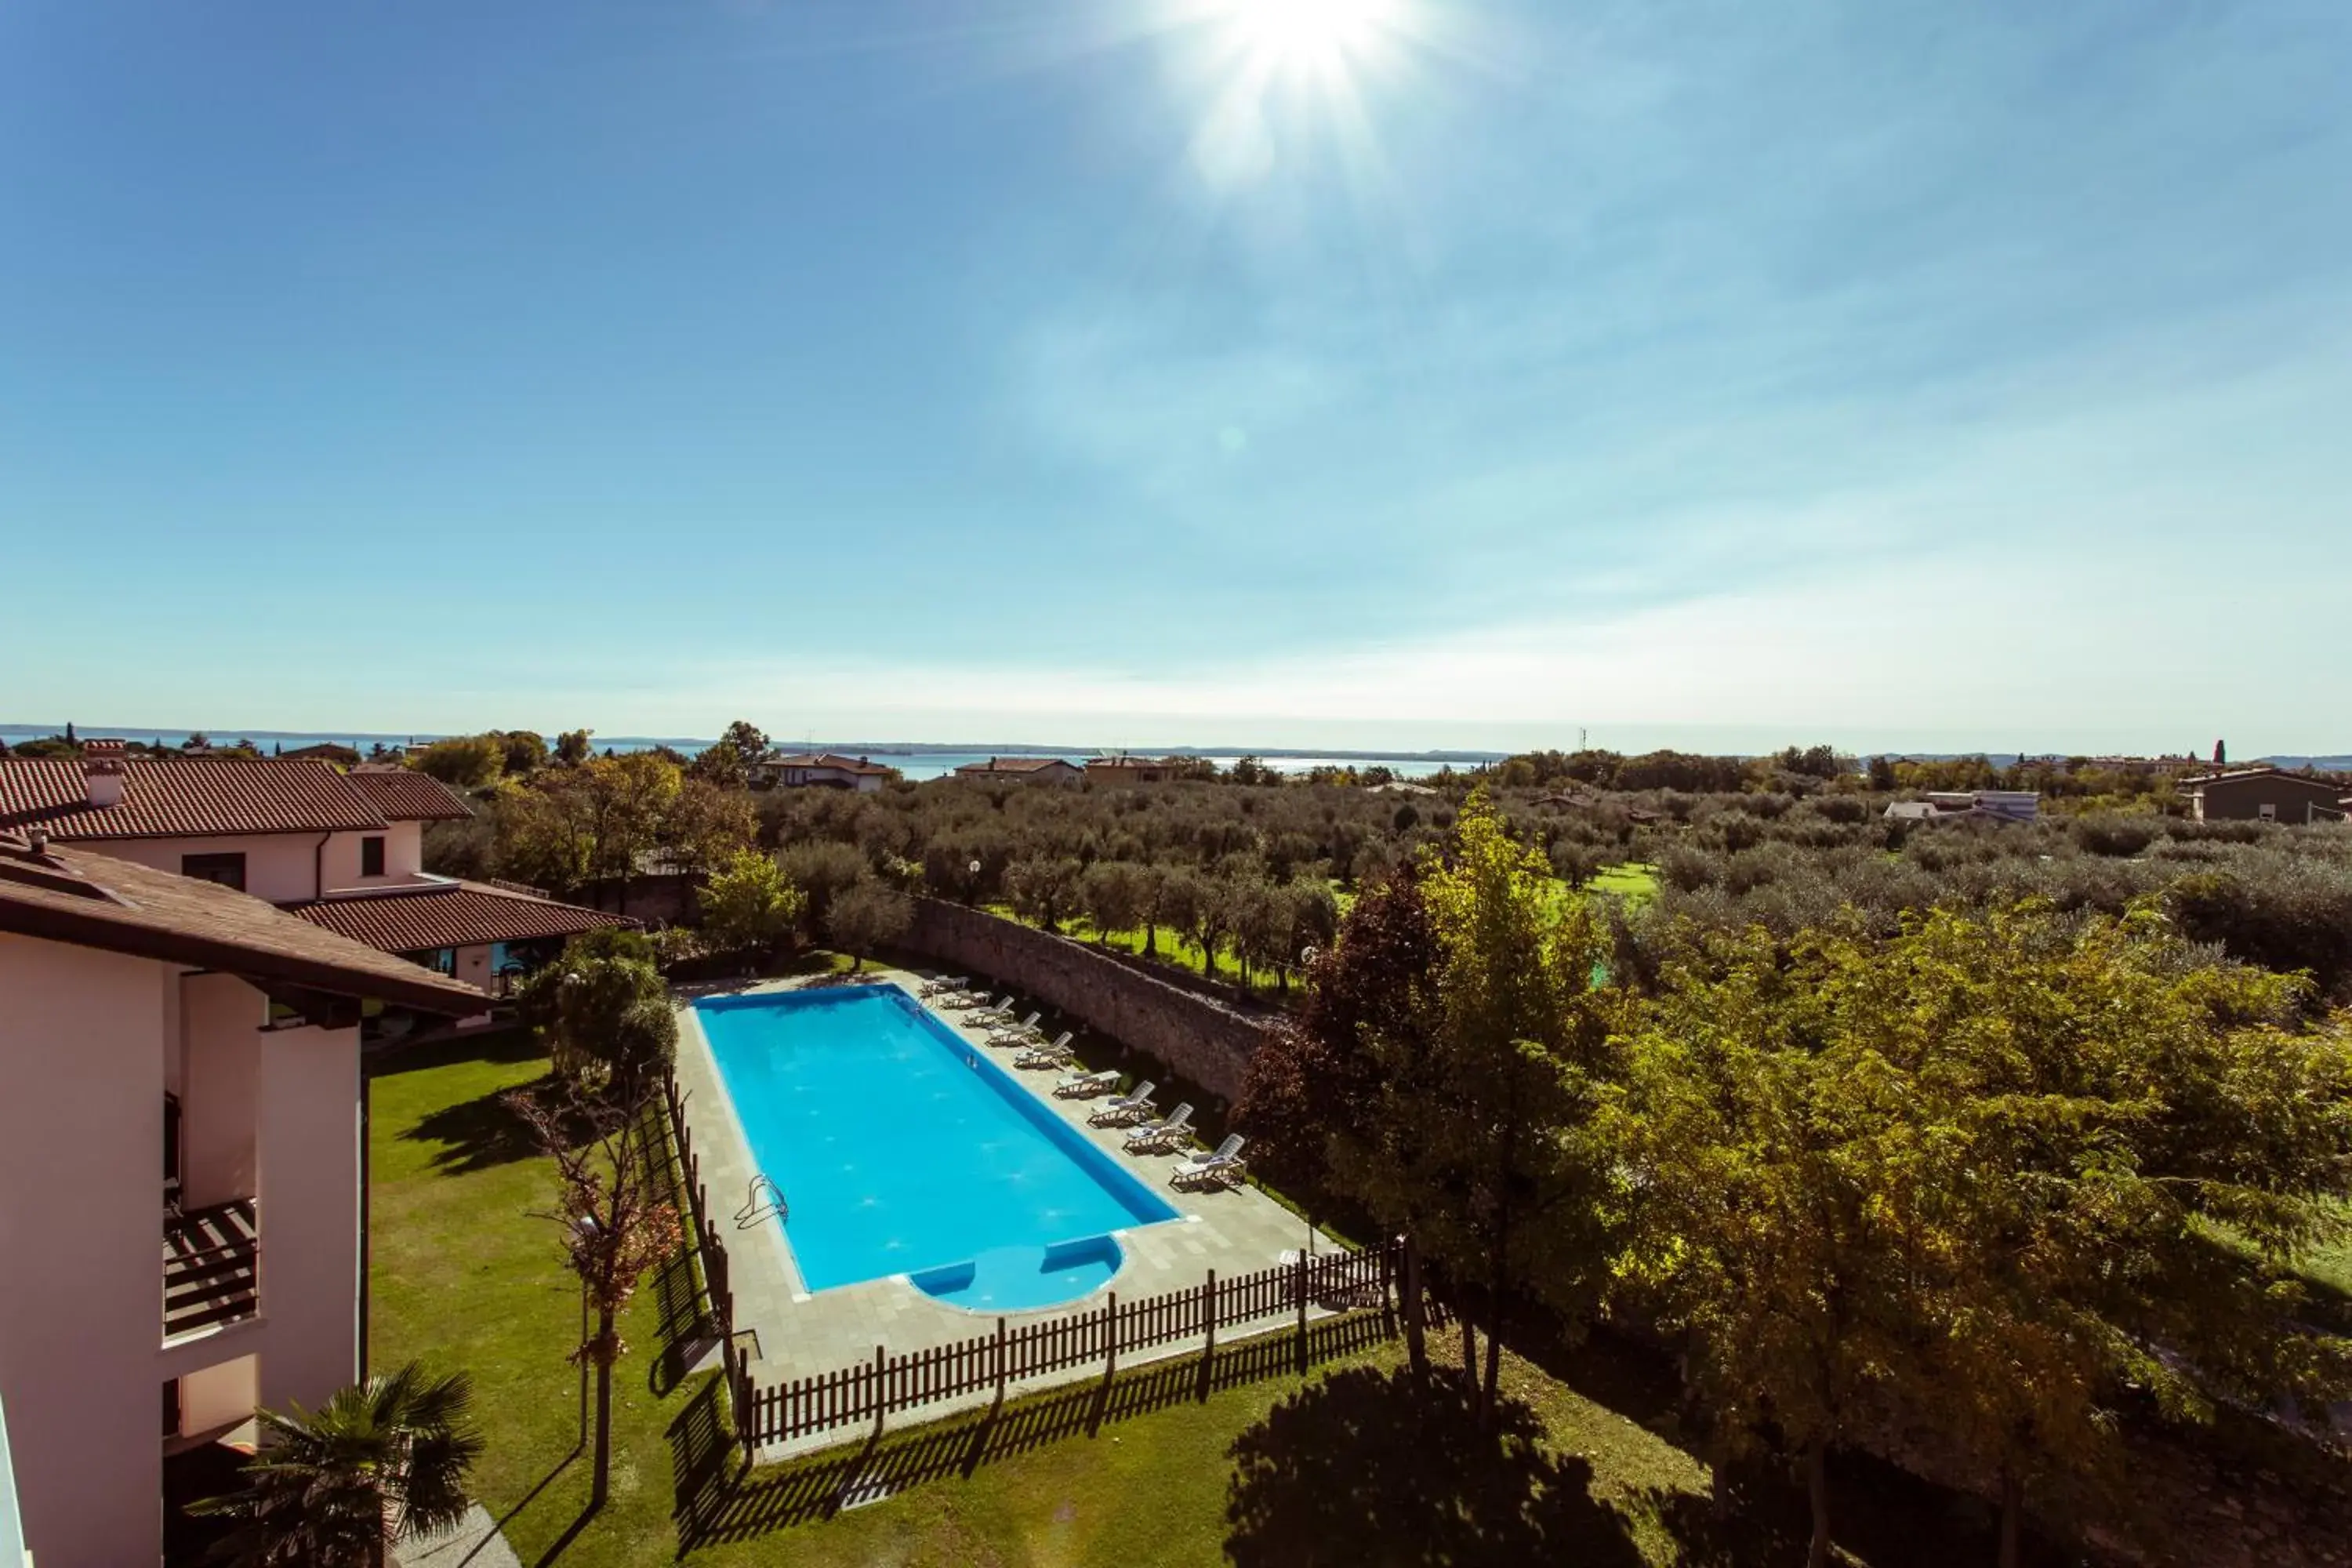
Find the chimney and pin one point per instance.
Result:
(101, 773)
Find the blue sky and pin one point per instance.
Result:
(1320, 371)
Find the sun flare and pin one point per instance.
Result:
(1312, 32)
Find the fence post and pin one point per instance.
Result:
(1000, 1364)
(1298, 1284)
(1110, 1338)
(739, 1389)
(1415, 1324)
(1387, 1281)
(1208, 1332)
(881, 1396)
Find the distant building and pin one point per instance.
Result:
(1024, 770)
(2263, 794)
(824, 770)
(1979, 804)
(1134, 770)
(345, 757)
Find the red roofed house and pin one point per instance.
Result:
(183, 1194)
(1024, 770)
(823, 770)
(1133, 770)
(319, 843)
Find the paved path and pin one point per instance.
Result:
(474, 1543)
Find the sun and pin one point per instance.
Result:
(1312, 33)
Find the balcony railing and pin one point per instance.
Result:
(211, 1268)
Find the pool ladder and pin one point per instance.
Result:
(763, 1200)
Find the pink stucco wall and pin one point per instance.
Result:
(80, 1131)
(285, 866)
(87, 1042)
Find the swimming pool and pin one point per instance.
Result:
(901, 1149)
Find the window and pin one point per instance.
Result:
(2267, 812)
(229, 870)
(372, 857)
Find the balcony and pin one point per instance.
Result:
(211, 1268)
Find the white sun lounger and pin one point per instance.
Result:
(1013, 1034)
(1044, 1056)
(1086, 1085)
(1162, 1134)
(1223, 1168)
(949, 986)
(974, 1001)
(1132, 1107)
(995, 1012)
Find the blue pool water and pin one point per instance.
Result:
(903, 1150)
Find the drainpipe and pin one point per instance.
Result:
(318, 867)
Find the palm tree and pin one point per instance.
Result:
(380, 1461)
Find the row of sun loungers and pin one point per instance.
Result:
(1147, 1133)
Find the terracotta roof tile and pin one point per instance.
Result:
(403, 794)
(89, 899)
(174, 797)
(454, 914)
(1016, 765)
(832, 760)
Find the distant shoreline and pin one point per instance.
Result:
(694, 743)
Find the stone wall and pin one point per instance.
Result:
(1205, 1039)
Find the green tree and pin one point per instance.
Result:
(749, 907)
(1317, 1094)
(1520, 1057)
(1984, 1174)
(1775, 1218)
(380, 1462)
(462, 761)
(867, 917)
(728, 761)
(615, 1224)
(522, 752)
(604, 1014)
(2104, 1106)
(1111, 893)
(822, 871)
(705, 825)
(1044, 890)
(571, 747)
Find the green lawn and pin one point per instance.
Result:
(1350, 1465)
(1171, 948)
(1631, 880)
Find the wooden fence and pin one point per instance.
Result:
(988, 1362)
(779, 1413)
(720, 1308)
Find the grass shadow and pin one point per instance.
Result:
(482, 1132)
(503, 1046)
(718, 1500)
(1368, 1467)
(1879, 1514)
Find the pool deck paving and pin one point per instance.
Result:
(1233, 1230)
